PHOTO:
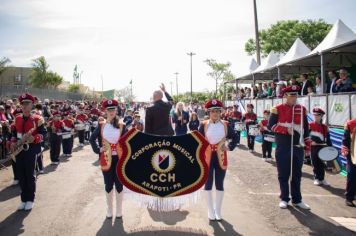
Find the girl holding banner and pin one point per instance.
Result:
(104, 141)
(216, 132)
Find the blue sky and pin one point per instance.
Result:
(146, 40)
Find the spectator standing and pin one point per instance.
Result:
(331, 86)
(344, 84)
(305, 84)
(180, 119)
(318, 88)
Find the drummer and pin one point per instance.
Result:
(319, 134)
(250, 118)
(266, 144)
(235, 116)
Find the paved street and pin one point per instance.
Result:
(70, 200)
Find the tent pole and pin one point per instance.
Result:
(279, 73)
(322, 71)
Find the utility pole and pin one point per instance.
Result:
(191, 54)
(177, 82)
(258, 53)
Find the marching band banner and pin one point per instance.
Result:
(162, 166)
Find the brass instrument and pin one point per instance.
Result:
(22, 145)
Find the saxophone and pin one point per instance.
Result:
(22, 145)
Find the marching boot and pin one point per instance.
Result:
(209, 199)
(218, 204)
(109, 201)
(119, 198)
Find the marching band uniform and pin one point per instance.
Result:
(137, 122)
(266, 145)
(15, 113)
(216, 133)
(233, 117)
(81, 118)
(55, 139)
(250, 118)
(319, 134)
(280, 122)
(348, 140)
(108, 136)
(26, 160)
(67, 139)
(88, 124)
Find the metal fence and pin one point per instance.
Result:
(338, 107)
(12, 91)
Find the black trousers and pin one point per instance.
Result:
(81, 134)
(55, 145)
(215, 171)
(318, 165)
(251, 142)
(351, 180)
(67, 145)
(25, 165)
(266, 149)
(110, 177)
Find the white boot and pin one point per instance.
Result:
(218, 204)
(119, 197)
(109, 201)
(209, 199)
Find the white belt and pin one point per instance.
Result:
(114, 153)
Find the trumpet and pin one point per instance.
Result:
(22, 145)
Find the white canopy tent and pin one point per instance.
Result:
(336, 50)
(338, 35)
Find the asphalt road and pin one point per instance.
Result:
(70, 200)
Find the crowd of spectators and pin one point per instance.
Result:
(337, 83)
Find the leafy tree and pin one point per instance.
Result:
(54, 79)
(218, 72)
(73, 88)
(41, 77)
(281, 36)
(3, 64)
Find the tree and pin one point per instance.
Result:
(73, 88)
(3, 64)
(41, 77)
(219, 71)
(281, 36)
(54, 79)
(39, 73)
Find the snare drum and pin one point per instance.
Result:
(269, 138)
(328, 154)
(253, 130)
(79, 126)
(239, 126)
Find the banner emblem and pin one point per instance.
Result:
(162, 166)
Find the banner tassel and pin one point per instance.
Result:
(163, 204)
